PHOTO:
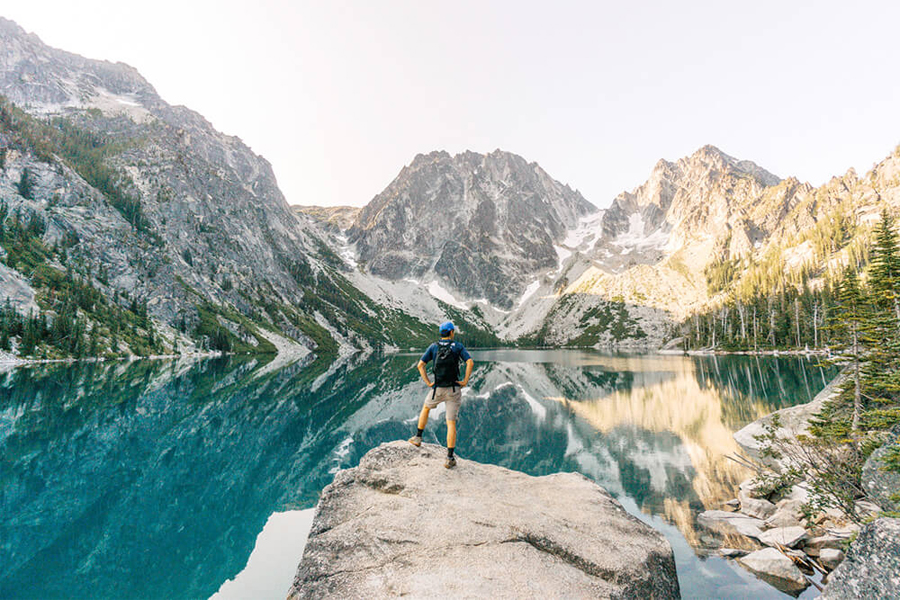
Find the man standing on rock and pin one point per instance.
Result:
(446, 387)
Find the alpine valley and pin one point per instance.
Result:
(133, 227)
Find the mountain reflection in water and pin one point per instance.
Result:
(153, 479)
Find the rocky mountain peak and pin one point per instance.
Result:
(40, 78)
(675, 191)
(477, 224)
(10, 30)
(710, 152)
(713, 161)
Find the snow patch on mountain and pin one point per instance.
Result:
(636, 238)
(587, 231)
(529, 292)
(563, 253)
(346, 250)
(443, 294)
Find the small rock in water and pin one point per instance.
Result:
(786, 536)
(775, 568)
(733, 552)
(734, 504)
(830, 558)
(755, 507)
(814, 546)
(739, 522)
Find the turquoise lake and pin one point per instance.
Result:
(194, 479)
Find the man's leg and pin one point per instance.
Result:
(423, 419)
(451, 437)
(416, 440)
(451, 444)
(452, 412)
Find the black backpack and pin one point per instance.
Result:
(446, 365)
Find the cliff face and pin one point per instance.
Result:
(400, 523)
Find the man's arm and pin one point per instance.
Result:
(424, 374)
(469, 364)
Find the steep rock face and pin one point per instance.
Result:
(399, 523)
(482, 225)
(196, 186)
(696, 196)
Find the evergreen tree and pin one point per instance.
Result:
(884, 274)
(850, 324)
(883, 333)
(25, 186)
(94, 342)
(31, 335)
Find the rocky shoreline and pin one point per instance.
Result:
(792, 550)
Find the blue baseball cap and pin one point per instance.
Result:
(446, 327)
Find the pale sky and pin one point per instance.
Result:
(339, 95)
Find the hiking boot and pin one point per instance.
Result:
(450, 462)
(416, 440)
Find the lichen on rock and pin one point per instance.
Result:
(872, 566)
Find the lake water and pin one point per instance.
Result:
(179, 479)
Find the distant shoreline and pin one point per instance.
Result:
(749, 352)
(9, 361)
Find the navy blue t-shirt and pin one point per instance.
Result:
(456, 347)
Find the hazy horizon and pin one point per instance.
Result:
(339, 96)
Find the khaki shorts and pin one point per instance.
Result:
(445, 394)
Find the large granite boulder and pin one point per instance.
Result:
(880, 484)
(400, 524)
(794, 420)
(872, 566)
